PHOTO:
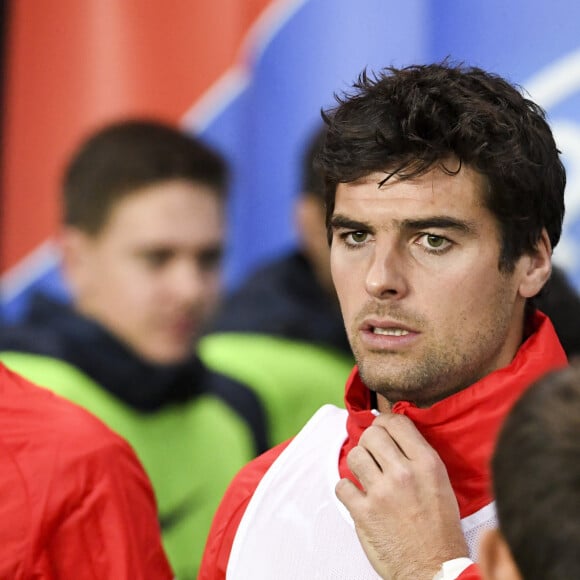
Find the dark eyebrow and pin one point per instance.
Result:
(442, 222)
(339, 221)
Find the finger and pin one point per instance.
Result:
(405, 435)
(382, 447)
(363, 465)
(349, 494)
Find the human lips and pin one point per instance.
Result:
(183, 328)
(386, 326)
(387, 333)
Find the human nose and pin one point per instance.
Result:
(386, 276)
(187, 281)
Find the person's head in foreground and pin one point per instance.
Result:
(143, 235)
(445, 198)
(536, 480)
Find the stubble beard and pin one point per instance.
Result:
(428, 375)
(396, 377)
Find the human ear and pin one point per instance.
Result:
(537, 267)
(76, 247)
(495, 559)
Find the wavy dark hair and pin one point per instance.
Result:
(406, 121)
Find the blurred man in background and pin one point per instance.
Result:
(281, 332)
(142, 243)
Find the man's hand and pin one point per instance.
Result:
(407, 518)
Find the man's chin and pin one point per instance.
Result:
(394, 387)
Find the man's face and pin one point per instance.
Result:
(151, 275)
(415, 265)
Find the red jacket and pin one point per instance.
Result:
(75, 500)
(461, 428)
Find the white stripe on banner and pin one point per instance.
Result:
(556, 82)
(549, 87)
(40, 261)
(237, 78)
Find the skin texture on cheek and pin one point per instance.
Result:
(456, 348)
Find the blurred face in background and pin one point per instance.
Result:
(310, 219)
(151, 275)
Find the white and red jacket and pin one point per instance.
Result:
(280, 518)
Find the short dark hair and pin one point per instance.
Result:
(536, 478)
(406, 121)
(128, 155)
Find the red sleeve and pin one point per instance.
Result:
(471, 573)
(108, 527)
(230, 512)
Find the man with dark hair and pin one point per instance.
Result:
(281, 331)
(142, 241)
(536, 483)
(445, 198)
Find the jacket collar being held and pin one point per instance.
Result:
(463, 427)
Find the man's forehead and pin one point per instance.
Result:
(415, 169)
(462, 182)
(405, 205)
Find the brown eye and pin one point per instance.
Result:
(155, 259)
(210, 259)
